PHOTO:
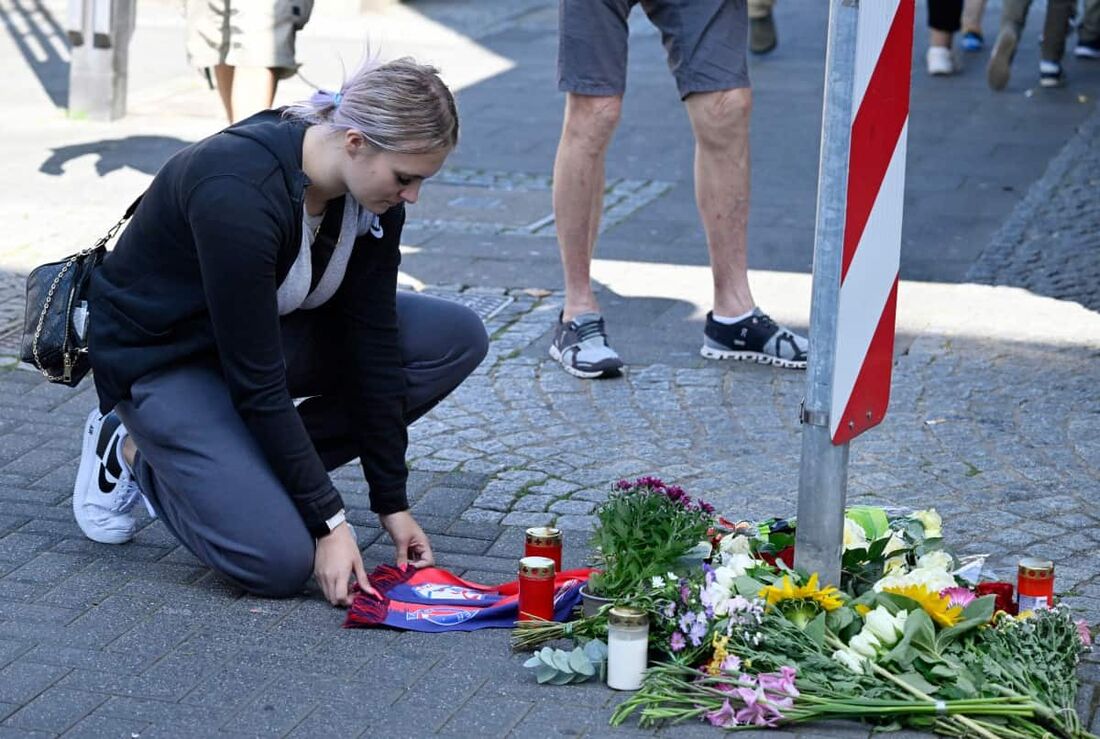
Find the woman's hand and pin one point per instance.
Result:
(409, 539)
(336, 560)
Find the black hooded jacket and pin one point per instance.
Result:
(195, 276)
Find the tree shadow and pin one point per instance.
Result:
(144, 153)
(38, 35)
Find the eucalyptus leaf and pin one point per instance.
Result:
(579, 662)
(561, 661)
(543, 674)
(534, 661)
(596, 651)
(562, 678)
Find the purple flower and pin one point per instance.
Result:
(724, 717)
(705, 507)
(687, 621)
(781, 682)
(958, 596)
(708, 573)
(685, 592)
(670, 610)
(676, 643)
(756, 710)
(698, 631)
(732, 663)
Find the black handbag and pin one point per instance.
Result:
(55, 322)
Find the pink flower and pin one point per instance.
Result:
(732, 663)
(676, 643)
(781, 683)
(1083, 632)
(756, 710)
(724, 717)
(961, 597)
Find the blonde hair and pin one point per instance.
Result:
(399, 106)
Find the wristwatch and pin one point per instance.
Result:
(330, 524)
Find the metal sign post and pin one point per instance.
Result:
(99, 32)
(857, 246)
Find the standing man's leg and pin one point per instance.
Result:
(973, 10)
(1013, 17)
(706, 47)
(592, 72)
(1060, 14)
(762, 34)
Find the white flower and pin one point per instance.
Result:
(658, 582)
(849, 659)
(734, 544)
(937, 560)
(854, 535)
(670, 576)
(896, 543)
(865, 644)
(736, 564)
(931, 521)
(894, 563)
(933, 579)
(885, 626)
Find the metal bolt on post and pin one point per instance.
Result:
(823, 475)
(99, 32)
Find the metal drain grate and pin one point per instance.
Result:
(486, 305)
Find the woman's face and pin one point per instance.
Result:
(379, 180)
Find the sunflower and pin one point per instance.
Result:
(828, 598)
(935, 605)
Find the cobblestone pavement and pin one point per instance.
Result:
(1051, 245)
(993, 417)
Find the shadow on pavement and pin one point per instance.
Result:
(38, 44)
(144, 153)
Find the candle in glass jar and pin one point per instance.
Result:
(1035, 587)
(627, 647)
(544, 541)
(536, 589)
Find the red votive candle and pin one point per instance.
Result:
(544, 541)
(536, 589)
(1035, 585)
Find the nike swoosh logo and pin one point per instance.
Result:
(109, 464)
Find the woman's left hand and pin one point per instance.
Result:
(413, 547)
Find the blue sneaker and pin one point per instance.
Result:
(973, 41)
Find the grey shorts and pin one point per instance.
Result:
(245, 33)
(706, 40)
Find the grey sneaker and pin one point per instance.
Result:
(762, 35)
(1000, 60)
(581, 347)
(757, 338)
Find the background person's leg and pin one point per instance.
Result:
(210, 484)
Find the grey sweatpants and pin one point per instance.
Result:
(205, 474)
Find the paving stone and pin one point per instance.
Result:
(573, 507)
(533, 503)
(519, 518)
(22, 681)
(576, 523)
(96, 727)
(55, 710)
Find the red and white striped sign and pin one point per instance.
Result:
(872, 228)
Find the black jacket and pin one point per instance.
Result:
(195, 274)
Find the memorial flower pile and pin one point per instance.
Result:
(908, 638)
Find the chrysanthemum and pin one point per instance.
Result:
(935, 605)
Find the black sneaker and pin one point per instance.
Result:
(1087, 49)
(1051, 74)
(757, 338)
(762, 35)
(582, 349)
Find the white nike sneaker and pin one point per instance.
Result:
(105, 491)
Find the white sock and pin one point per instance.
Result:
(728, 320)
(120, 456)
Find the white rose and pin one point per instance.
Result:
(724, 577)
(937, 560)
(935, 580)
(849, 659)
(882, 624)
(893, 564)
(896, 543)
(931, 521)
(734, 544)
(737, 564)
(865, 644)
(854, 535)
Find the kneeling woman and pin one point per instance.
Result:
(260, 267)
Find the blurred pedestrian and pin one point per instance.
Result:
(1088, 32)
(1056, 27)
(245, 47)
(706, 44)
(261, 267)
(762, 34)
(945, 19)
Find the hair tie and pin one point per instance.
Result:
(336, 99)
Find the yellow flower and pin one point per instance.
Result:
(714, 667)
(935, 605)
(828, 597)
(862, 610)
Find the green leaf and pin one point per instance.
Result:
(579, 663)
(941, 670)
(561, 661)
(596, 651)
(874, 552)
(544, 674)
(534, 661)
(816, 629)
(913, 679)
(562, 678)
(546, 656)
(871, 518)
(837, 620)
(747, 587)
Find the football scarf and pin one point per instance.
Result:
(434, 600)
